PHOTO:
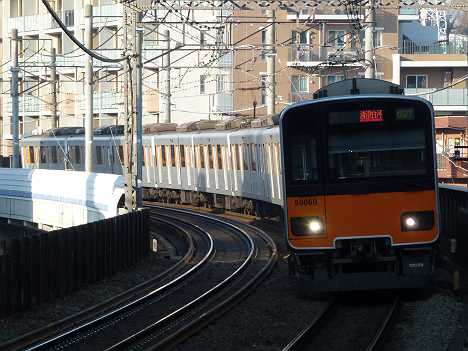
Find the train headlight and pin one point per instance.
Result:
(416, 221)
(307, 226)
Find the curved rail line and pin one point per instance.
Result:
(22, 341)
(219, 309)
(304, 337)
(68, 334)
(181, 333)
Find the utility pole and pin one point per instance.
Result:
(271, 62)
(166, 96)
(138, 147)
(53, 78)
(88, 13)
(15, 97)
(369, 37)
(128, 123)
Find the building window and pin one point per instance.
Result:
(77, 155)
(202, 38)
(202, 84)
(220, 83)
(53, 152)
(378, 37)
(263, 44)
(299, 84)
(99, 155)
(263, 88)
(335, 78)
(336, 38)
(299, 37)
(416, 81)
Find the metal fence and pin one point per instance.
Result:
(433, 48)
(37, 266)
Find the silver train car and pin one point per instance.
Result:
(230, 169)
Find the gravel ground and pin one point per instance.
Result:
(270, 317)
(42, 315)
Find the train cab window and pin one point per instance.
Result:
(43, 153)
(210, 156)
(303, 159)
(121, 155)
(202, 156)
(99, 155)
(31, 154)
(381, 141)
(173, 158)
(77, 154)
(53, 154)
(163, 155)
(253, 157)
(220, 156)
(182, 155)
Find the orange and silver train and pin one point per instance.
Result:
(359, 187)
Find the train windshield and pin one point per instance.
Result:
(376, 141)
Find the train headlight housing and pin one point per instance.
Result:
(417, 221)
(307, 226)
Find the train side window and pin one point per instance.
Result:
(31, 154)
(43, 153)
(173, 160)
(121, 155)
(245, 159)
(220, 156)
(156, 153)
(210, 156)
(77, 155)
(236, 156)
(182, 155)
(163, 155)
(53, 154)
(253, 156)
(99, 155)
(202, 156)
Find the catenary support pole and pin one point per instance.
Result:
(167, 81)
(369, 40)
(128, 123)
(271, 63)
(88, 14)
(15, 98)
(53, 85)
(139, 118)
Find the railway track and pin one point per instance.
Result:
(173, 311)
(324, 326)
(184, 246)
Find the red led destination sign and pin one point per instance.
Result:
(370, 116)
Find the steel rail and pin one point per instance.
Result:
(152, 328)
(380, 332)
(69, 322)
(219, 310)
(308, 332)
(121, 309)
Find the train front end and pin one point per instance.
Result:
(360, 192)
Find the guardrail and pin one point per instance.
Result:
(433, 48)
(38, 266)
(446, 97)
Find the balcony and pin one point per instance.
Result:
(300, 96)
(430, 48)
(331, 14)
(28, 104)
(408, 14)
(34, 23)
(105, 102)
(451, 99)
(306, 56)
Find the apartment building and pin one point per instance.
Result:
(316, 48)
(191, 97)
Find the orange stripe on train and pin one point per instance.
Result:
(361, 215)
